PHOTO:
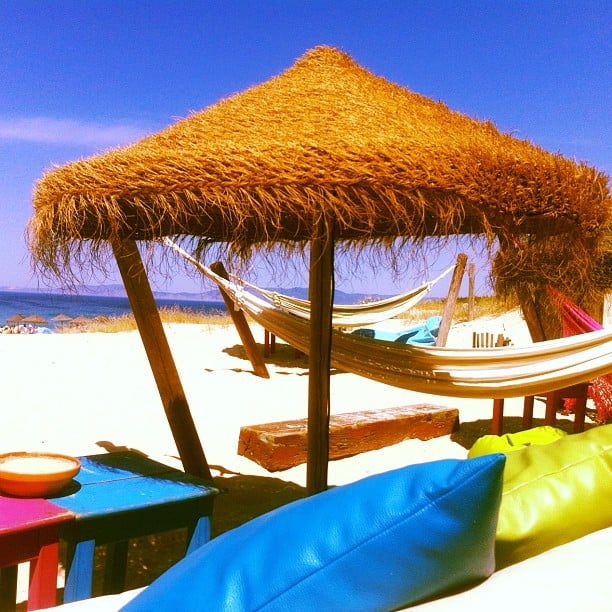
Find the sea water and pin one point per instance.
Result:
(49, 305)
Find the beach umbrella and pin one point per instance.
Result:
(34, 319)
(326, 153)
(15, 319)
(328, 140)
(61, 319)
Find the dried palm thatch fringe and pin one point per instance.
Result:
(325, 138)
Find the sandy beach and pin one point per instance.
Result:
(88, 393)
(80, 393)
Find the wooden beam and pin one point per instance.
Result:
(242, 326)
(160, 358)
(319, 358)
(281, 445)
(451, 300)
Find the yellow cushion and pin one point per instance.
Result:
(515, 441)
(554, 493)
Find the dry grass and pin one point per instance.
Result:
(483, 306)
(126, 322)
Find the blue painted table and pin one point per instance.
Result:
(123, 495)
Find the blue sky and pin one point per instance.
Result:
(79, 77)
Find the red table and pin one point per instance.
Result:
(29, 531)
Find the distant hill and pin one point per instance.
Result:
(208, 295)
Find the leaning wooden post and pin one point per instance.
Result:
(530, 314)
(451, 300)
(471, 283)
(242, 325)
(160, 358)
(319, 358)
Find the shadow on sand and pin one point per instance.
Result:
(284, 356)
(470, 431)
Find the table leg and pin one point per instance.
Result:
(8, 588)
(43, 578)
(497, 423)
(200, 535)
(528, 412)
(553, 400)
(115, 567)
(580, 392)
(79, 571)
(266, 343)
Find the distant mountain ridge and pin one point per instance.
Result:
(207, 295)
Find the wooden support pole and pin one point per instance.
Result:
(242, 326)
(530, 313)
(451, 300)
(319, 359)
(471, 283)
(160, 358)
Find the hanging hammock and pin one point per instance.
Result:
(472, 373)
(353, 315)
(344, 315)
(576, 321)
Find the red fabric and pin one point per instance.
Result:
(575, 321)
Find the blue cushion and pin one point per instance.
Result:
(383, 542)
(419, 335)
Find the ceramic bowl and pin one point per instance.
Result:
(25, 474)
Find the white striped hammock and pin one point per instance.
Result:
(344, 315)
(470, 373)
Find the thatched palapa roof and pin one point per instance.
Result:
(326, 137)
(324, 153)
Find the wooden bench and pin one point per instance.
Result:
(283, 444)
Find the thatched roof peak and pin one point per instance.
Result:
(325, 137)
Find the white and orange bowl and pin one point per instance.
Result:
(32, 474)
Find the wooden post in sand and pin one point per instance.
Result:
(242, 326)
(471, 283)
(160, 358)
(451, 300)
(319, 357)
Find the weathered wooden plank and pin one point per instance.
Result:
(283, 444)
